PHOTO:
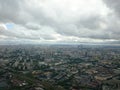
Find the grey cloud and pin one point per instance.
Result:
(34, 18)
(92, 22)
(10, 34)
(33, 26)
(9, 10)
(32, 35)
(114, 5)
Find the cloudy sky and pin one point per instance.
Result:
(59, 21)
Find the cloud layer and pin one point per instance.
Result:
(59, 21)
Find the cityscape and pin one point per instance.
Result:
(59, 67)
(59, 44)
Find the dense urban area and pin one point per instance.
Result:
(59, 67)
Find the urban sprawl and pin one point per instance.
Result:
(59, 67)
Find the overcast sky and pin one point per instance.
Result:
(59, 21)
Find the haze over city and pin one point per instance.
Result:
(59, 21)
